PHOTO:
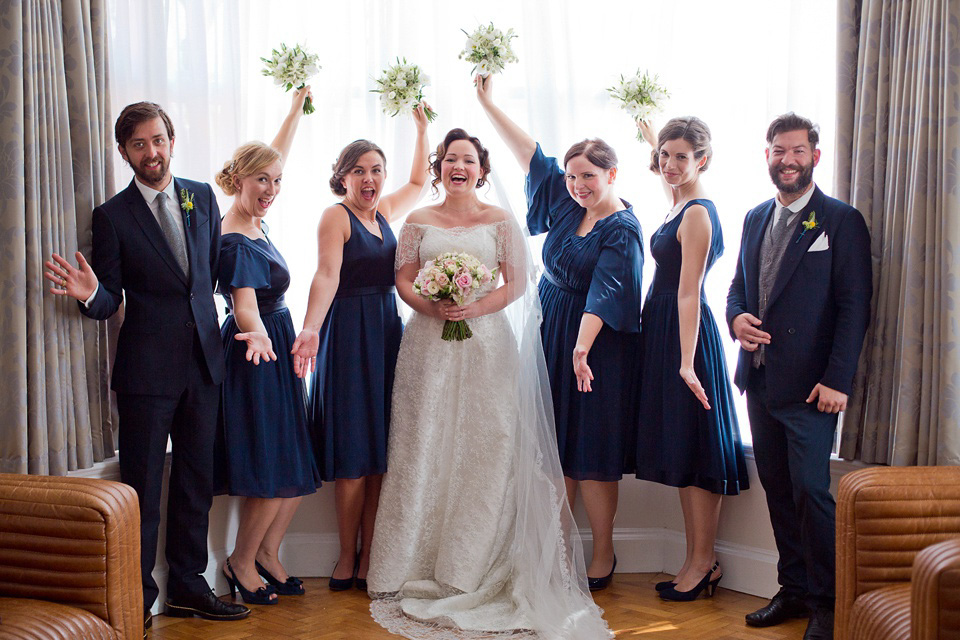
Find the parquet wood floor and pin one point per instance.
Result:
(631, 607)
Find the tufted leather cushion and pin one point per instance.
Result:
(74, 542)
(39, 620)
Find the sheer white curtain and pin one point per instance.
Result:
(735, 65)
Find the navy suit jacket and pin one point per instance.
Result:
(164, 309)
(819, 307)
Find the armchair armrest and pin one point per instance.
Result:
(73, 541)
(935, 598)
(885, 516)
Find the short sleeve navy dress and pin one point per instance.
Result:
(599, 273)
(265, 443)
(353, 383)
(680, 443)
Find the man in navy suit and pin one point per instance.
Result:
(799, 305)
(156, 248)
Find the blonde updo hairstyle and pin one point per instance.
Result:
(689, 128)
(247, 160)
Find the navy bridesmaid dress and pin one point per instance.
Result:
(680, 443)
(359, 341)
(599, 273)
(264, 442)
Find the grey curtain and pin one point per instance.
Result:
(55, 145)
(898, 135)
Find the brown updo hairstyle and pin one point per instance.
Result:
(348, 159)
(689, 128)
(247, 160)
(598, 152)
(436, 158)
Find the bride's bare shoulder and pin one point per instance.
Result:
(493, 213)
(425, 215)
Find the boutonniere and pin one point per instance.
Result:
(186, 203)
(809, 224)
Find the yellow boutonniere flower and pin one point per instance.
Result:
(186, 203)
(809, 224)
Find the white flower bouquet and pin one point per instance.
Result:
(291, 67)
(640, 95)
(401, 89)
(489, 49)
(457, 276)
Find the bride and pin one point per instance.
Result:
(474, 536)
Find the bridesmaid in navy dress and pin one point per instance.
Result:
(590, 294)
(688, 435)
(352, 329)
(266, 445)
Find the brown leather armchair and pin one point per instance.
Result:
(898, 554)
(69, 559)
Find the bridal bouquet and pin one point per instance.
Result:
(489, 49)
(401, 89)
(456, 276)
(292, 67)
(640, 95)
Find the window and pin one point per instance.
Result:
(735, 65)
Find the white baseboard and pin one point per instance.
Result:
(745, 569)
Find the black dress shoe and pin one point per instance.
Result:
(206, 605)
(599, 584)
(782, 607)
(820, 626)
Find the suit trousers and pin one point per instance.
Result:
(792, 445)
(189, 419)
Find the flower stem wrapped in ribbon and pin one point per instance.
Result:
(488, 49)
(640, 95)
(291, 67)
(457, 276)
(401, 89)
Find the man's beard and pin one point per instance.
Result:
(804, 178)
(151, 176)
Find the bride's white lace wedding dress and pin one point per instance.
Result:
(473, 534)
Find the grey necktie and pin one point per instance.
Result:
(780, 228)
(172, 233)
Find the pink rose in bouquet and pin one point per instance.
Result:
(456, 276)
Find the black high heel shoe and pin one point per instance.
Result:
(291, 587)
(598, 584)
(260, 596)
(342, 584)
(708, 585)
(666, 584)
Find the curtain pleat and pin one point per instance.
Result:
(898, 134)
(53, 125)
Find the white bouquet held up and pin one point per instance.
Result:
(640, 95)
(457, 276)
(488, 49)
(401, 89)
(292, 67)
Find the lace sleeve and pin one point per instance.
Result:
(408, 245)
(512, 246)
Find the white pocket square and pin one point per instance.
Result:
(820, 244)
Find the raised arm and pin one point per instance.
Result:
(519, 141)
(399, 203)
(284, 140)
(332, 233)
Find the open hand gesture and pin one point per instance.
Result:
(79, 283)
(259, 346)
(582, 370)
(304, 351)
(690, 377)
